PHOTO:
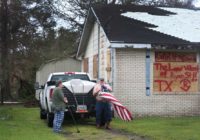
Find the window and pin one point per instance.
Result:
(68, 77)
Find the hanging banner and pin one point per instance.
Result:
(175, 77)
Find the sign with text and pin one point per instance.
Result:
(175, 57)
(175, 77)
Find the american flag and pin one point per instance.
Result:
(121, 110)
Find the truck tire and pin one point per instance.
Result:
(43, 114)
(50, 117)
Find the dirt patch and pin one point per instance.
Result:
(106, 135)
(130, 136)
(88, 131)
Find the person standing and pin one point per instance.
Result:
(103, 107)
(58, 106)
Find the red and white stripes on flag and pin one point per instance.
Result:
(121, 110)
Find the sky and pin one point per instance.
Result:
(197, 3)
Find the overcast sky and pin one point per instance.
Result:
(197, 3)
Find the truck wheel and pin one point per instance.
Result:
(43, 114)
(50, 117)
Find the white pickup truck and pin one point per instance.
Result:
(77, 87)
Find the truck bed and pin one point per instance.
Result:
(82, 99)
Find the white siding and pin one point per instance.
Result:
(92, 49)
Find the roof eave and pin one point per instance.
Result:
(83, 34)
(122, 44)
(91, 18)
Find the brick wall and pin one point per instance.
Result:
(129, 88)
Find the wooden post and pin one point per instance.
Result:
(1, 95)
(4, 47)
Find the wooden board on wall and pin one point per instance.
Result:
(85, 65)
(175, 77)
(175, 57)
(108, 68)
(95, 66)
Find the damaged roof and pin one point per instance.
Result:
(185, 24)
(144, 24)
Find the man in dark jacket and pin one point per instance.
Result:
(58, 106)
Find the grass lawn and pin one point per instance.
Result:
(19, 123)
(179, 128)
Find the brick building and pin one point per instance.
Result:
(150, 55)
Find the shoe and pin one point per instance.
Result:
(62, 132)
(107, 126)
(98, 126)
(56, 131)
(65, 133)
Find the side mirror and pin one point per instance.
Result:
(94, 81)
(36, 85)
(42, 87)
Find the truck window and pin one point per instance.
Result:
(68, 77)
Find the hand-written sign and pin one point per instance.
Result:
(175, 77)
(175, 57)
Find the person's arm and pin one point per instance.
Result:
(62, 97)
(96, 89)
(65, 100)
(107, 87)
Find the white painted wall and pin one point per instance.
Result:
(92, 49)
(63, 65)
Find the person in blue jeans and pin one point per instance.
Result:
(103, 107)
(58, 106)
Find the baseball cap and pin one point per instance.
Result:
(101, 79)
